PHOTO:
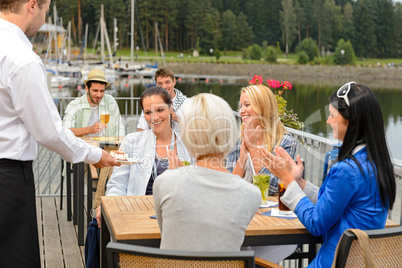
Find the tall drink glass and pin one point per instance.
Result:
(283, 209)
(262, 182)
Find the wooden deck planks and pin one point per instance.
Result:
(51, 238)
(57, 236)
(72, 253)
(38, 203)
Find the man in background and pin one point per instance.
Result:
(27, 116)
(164, 78)
(83, 114)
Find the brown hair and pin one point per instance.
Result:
(155, 91)
(14, 6)
(164, 72)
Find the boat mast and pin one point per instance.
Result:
(132, 29)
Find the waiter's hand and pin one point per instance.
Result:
(106, 161)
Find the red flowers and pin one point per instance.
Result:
(257, 79)
(277, 84)
(273, 84)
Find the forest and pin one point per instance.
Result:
(374, 27)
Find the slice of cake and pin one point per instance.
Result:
(119, 155)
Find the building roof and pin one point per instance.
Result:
(50, 27)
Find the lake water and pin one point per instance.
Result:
(309, 102)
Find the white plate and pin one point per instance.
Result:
(130, 161)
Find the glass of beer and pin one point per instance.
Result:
(104, 117)
(262, 182)
(283, 209)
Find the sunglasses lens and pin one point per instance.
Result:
(343, 90)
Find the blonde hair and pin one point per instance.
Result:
(207, 125)
(264, 104)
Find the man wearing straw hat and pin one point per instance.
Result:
(28, 117)
(83, 114)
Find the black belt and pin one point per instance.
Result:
(5, 161)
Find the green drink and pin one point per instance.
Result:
(262, 182)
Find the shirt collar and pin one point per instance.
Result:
(358, 148)
(15, 30)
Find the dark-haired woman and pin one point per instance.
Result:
(150, 146)
(359, 189)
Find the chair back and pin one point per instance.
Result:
(104, 176)
(384, 248)
(125, 255)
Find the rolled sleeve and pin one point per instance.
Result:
(293, 195)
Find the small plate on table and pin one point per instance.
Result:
(129, 161)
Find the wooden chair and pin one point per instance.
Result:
(125, 255)
(261, 263)
(385, 246)
(104, 176)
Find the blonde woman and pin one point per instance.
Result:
(261, 127)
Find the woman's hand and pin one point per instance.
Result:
(174, 161)
(253, 137)
(297, 169)
(280, 166)
(98, 216)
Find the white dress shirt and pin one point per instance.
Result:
(27, 111)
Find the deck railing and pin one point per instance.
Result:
(312, 149)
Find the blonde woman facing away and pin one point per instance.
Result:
(203, 207)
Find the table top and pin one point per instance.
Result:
(129, 219)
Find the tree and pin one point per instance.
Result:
(309, 47)
(288, 23)
(363, 21)
(244, 32)
(349, 30)
(300, 19)
(332, 27)
(319, 17)
(385, 29)
(398, 29)
(228, 30)
(344, 53)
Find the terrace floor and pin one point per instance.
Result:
(57, 236)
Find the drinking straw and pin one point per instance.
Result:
(251, 163)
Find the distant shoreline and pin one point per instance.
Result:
(303, 74)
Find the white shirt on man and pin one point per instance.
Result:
(27, 111)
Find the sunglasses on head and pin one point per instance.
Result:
(343, 91)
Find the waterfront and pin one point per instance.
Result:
(310, 102)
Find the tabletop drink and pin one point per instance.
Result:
(262, 182)
(283, 209)
(104, 118)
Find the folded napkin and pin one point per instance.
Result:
(275, 213)
(270, 204)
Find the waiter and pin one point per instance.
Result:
(27, 116)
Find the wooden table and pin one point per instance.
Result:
(126, 219)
